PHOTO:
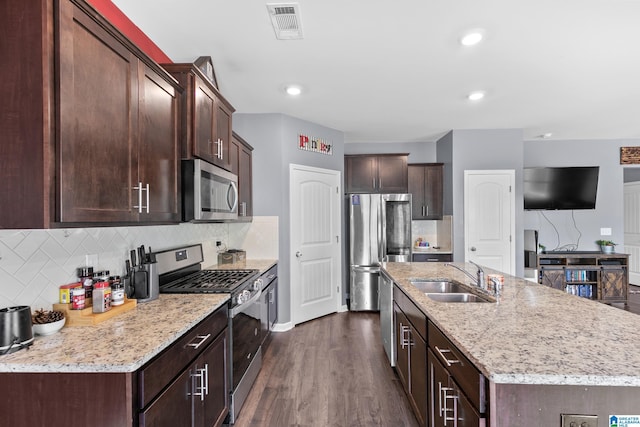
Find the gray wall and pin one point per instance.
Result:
(485, 150)
(609, 212)
(419, 152)
(274, 138)
(631, 173)
(445, 155)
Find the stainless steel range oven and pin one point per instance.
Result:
(180, 272)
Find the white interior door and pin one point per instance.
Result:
(315, 242)
(489, 219)
(632, 229)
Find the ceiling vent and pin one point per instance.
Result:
(285, 18)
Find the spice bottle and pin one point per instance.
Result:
(77, 298)
(117, 291)
(85, 276)
(101, 297)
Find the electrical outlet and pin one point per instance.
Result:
(605, 231)
(579, 420)
(218, 243)
(91, 260)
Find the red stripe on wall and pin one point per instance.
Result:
(129, 29)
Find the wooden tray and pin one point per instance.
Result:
(86, 316)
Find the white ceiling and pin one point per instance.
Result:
(394, 71)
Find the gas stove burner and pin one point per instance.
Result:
(209, 281)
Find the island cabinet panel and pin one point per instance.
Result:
(206, 116)
(520, 404)
(376, 173)
(66, 399)
(108, 115)
(411, 354)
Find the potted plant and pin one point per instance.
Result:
(606, 246)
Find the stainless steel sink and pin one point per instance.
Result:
(438, 286)
(455, 297)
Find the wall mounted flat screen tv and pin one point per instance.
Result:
(554, 188)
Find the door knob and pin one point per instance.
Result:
(298, 254)
(473, 249)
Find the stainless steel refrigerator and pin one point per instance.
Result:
(379, 231)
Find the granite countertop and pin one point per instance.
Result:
(121, 344)
(533, 334)
(128, 340)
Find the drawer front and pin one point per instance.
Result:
(413, 313)
(269, 276)
(158, 373)
(466, 375)
(418, 257)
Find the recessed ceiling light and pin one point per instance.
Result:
(293, 90)
(471, 38)
(545, 135)
(475, 96)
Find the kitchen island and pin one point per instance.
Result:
(543, 352)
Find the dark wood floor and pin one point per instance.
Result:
(330, 371)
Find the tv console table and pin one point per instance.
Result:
(594, 275)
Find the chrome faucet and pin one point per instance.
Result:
(479, 278)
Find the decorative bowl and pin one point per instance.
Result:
(48, 328)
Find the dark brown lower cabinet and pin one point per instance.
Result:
(457, 390)
(185, 385)
(198, 397)
(448, 406)
(411, 362)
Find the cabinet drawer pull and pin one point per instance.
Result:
(140, 189)
(202, 339)
(200, 385)
(441, 352)
(405, 339)
(454, 409)
(205, 378)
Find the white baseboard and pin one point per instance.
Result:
(343, 309)
(282, 327)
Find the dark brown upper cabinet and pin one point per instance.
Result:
(425, 186)
(206, 118)
(92, 122)
(376, 173)
(241, 156)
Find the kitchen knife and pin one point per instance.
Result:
(141, 255)
(133, 258)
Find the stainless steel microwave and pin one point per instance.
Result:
(209, 193)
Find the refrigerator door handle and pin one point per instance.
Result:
(382, 230)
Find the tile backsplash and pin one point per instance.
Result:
(34, 263)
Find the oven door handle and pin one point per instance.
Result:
(240, 308)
